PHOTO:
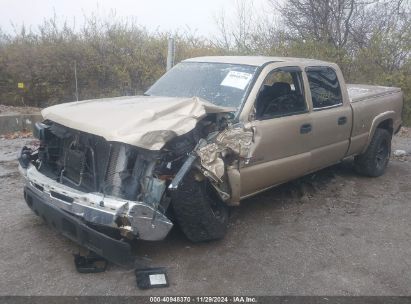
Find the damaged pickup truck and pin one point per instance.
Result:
(209, 133)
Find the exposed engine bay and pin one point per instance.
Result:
(126, 189)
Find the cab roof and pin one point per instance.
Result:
(257, 60)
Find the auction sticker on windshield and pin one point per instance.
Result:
(237, 80)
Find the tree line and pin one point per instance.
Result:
(369, 39)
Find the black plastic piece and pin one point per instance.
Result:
(40, 131)
(91, 263)
(62, 197)
(115, 251)
(151, 278)
(25, 157)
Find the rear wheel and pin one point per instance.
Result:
(198, 210)
(375, 160)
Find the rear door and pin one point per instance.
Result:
(331, 117)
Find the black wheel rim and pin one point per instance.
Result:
(382, 154)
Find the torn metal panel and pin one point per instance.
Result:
(234, 140)
(231, 145)
(239, 140)
(211, 160)
(142, 121)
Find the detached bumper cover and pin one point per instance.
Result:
(143, 220)
(113, 250)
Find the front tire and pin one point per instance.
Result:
(201, 215)
(375, 159)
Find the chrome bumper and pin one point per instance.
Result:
(143, 220)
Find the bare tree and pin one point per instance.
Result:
(338, 22)
(237, 33)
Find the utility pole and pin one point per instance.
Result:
(171, 53)
(75, 77)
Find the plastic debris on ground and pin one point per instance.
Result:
(151, 278)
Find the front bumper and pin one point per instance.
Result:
(64, 204)
(116, 251)
(142, 220)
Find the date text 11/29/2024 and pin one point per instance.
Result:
(204, 299)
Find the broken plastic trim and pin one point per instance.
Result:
(91, 263)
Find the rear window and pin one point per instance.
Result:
(324, 86)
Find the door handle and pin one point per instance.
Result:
(342, 120)
(306, 128)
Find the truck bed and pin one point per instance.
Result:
(367, 103)
(358, 92)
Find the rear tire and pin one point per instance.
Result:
(375, 159)
(201, 215)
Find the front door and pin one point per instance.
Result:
(283, 133)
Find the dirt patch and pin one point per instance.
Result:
(17, 134)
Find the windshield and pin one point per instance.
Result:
(220, 83)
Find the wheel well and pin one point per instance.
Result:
(387, 125)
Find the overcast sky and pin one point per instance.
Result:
(153, 14)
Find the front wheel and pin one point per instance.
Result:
(200, 213)
(375, 159)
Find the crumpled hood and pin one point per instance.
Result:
(143, 121)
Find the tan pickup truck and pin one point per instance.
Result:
(209, 133)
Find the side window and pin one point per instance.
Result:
(281, 94)
(324, 86)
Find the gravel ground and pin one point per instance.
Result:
(330, 233)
